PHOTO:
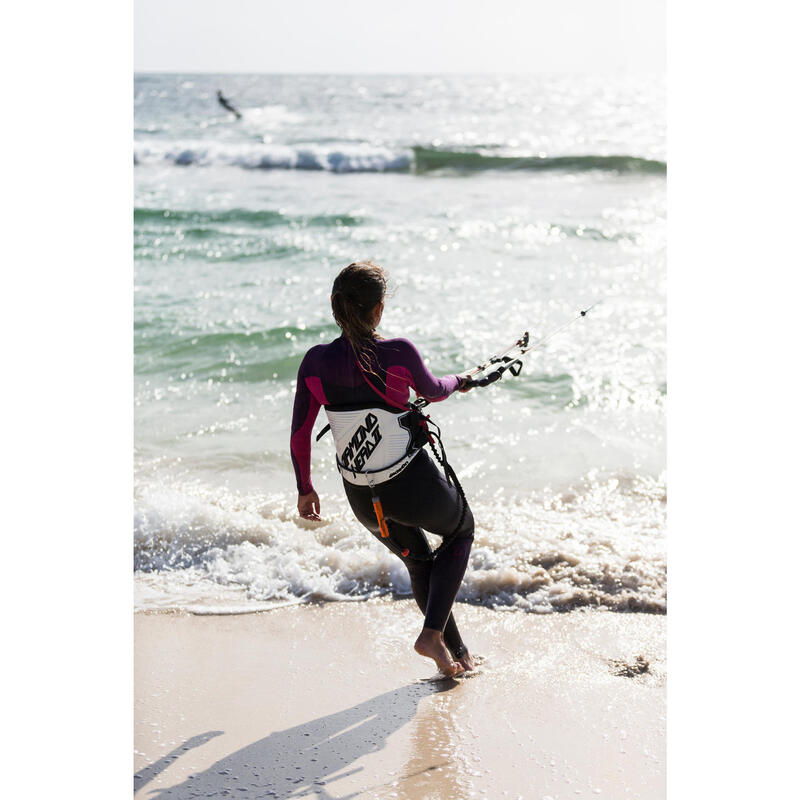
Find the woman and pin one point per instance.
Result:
(393, 486)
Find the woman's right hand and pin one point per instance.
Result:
(461, 380)
(308, 505)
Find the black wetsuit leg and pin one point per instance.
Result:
(418, 498)
(419, 572)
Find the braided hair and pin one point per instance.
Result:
(358, 288)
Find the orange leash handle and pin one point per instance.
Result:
(376, 504)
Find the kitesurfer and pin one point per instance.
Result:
(226, 104)
(394, 488)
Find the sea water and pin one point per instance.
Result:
(497, 204)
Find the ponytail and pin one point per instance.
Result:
(358, 288)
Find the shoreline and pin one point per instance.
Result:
(331, 701)
(203, 610)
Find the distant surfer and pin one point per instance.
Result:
(226, 104)
(393, 486)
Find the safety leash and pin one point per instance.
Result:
(450, 474)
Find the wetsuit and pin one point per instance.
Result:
(419, 496)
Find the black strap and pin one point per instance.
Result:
(323, 431)
(450, 473)
(513, 365)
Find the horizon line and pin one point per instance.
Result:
(626, 70)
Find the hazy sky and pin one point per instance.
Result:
(411, 36)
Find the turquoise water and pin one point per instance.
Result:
(497, 205)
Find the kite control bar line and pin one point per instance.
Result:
(539, 342)
(510, 361)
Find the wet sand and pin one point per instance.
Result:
(331, 702)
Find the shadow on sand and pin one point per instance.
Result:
(144, 776)
(300, 761)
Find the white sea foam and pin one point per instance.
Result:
(342, 158)
(213, 551)
(269, 117)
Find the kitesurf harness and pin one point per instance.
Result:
(374, 441)
(510, 359)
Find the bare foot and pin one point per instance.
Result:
(430, 644)
(467, 662)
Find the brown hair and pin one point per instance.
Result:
(358, 288)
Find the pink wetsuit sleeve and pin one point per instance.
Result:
(409, 368)
(306, 408)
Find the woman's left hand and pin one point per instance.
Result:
(308, 505)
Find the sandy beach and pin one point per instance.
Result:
(331, 702)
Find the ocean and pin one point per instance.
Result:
(497, 204)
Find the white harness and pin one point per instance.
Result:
(372, 445)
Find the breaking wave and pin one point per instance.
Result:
(356, 158)
(427, 160)
(314, 158)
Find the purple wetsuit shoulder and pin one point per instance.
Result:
(405, 370)
(330, 375)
